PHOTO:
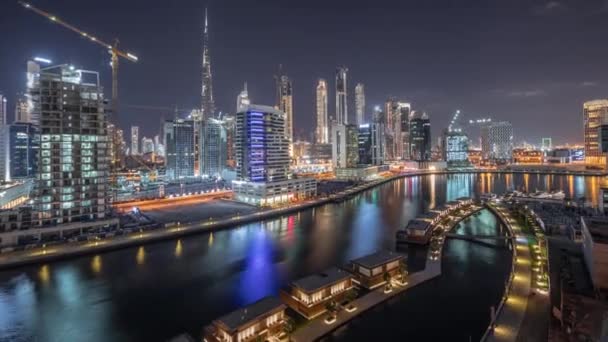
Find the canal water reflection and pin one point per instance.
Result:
(153, 292)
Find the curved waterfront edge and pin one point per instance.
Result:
(65, 251)
(317, 329)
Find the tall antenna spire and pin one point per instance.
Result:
(206, 22)
(207, 103)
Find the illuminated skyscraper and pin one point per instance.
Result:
(497, 141)
(179, 149)
(134, 140)
(262, 159)
(213, 147)
(242, 100)
(322, 132)
(595, 115)
(360, 103)
(345, 145)
(405, 110)
(341, 95)
(285, 104)
(207, 103)
(371, 144)
(71, 182)
(420, 137)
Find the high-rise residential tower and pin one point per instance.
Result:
(207, 103)
(213, 147)
(262, 159)
(341, 95)
(497, 141)
(73, 163)
(595, 115)
(360, 103)
(179, 149)
(134, 140)
(420, 137)
(322, 131)
(405, 110)
(285, 104)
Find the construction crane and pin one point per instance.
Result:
(112, 49)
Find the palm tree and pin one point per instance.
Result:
(331, 308)
(387, 279)
(289, 326)
(352, 294)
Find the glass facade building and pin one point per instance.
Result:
(595, 114)
(23, 147)
(213, 147)
(179, 149)
(371, 144)
(420, 137)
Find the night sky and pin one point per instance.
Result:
(530, 62)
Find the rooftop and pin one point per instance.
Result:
(377, 259)
(243, 316)
(598, 228)
(417, 224)
(429, 215)
(320, 280)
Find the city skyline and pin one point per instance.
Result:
(503, 87)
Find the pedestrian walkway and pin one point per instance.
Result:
(512, 310)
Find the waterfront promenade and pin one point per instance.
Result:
(317, 328)
(511, 312)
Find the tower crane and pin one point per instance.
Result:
(112, 49)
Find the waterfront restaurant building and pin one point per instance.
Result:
(417, 231)
(308, 296)
(368, 271)
(261, 319)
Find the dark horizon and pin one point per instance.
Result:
(529, 62)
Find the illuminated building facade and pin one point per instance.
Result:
(262, 159)
(213, 147)
(73, 170)
(23, 144)
(525, 156)
(134, 140)
(595, 115)
(371, 144)
(341, 95)
(242, 100)
(345, 145)
(456, 149)
(322, 131)
(285, 104)
(497, 141)
(22, 109)
(360, 103)
(420, 137)
(179, 149)
(207, 103)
